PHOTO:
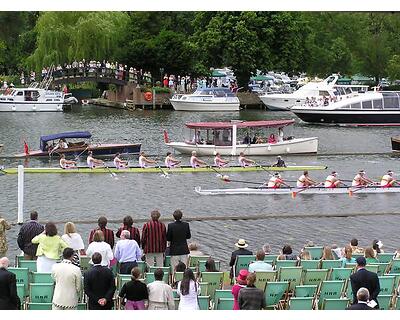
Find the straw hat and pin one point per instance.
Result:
(241, 243)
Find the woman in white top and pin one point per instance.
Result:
(73, 239)
(102, 247)
(188, 290)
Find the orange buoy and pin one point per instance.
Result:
(148, 96)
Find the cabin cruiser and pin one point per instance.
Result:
(206, 99)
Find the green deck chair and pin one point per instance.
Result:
(142, 265)
(40, 306)
(310, 264)
(305, 291)
(224, 304)
(39, 277)
(372, 267)
(330, 290)
(176, 301)
(30, 264)
(382, 268)
(351, 265)
(330, 264)
(285, 263)
(41, 292)
(292, 275)
(204, 302)
(262, 277)
(167, 261)
(21, 293)
(177, 276)
(218, 294)
(194, 260)
(122, 279)
(149, 277)
(275, 292)
(301, 303)
(85, 265)
(396, 303)
(395, 266)
(340, 273)
(202, 265)
(315, 252)
(242, 262)
(271, 257)
(17, 261)
(22, 277)
(349, 291)
(385, 301)
(385, 257)
(203, 288)
(387, 285)
(335, 304)
(356, 255)
(315, 276)
(82, 306)
(214, 280)
(166, 270)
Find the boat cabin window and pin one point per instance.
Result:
(324, 93)
(31, 95)
(20, 93)
(390, 100)
(348, 90)
(378, 104)
(367, 104)
(356, 105)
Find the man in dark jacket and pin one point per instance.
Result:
(9, 299)
(363, 278)
(177, 235)
(99, 285)
(250, 297)
(27, 232)
(362, 297)
(241, 251)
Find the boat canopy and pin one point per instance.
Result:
(240, 124)
(215, 91)
(64, 135)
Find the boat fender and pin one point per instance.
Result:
(269, 148)
(166, 138)
(287, 149)
(13, 108)
(34, 108)
(148, 96)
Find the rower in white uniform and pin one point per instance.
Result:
(304, 181)
(93, 162)
(119, 163)
(332, 181)
(66, 164)
(276, 181)
(170, 161)
(219, 162)
(387, 180)
(145, 162)
(361, 180)
(196, 162)
(245, 162)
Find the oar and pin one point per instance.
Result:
(259, 165)
(164, 173)
(2, 170)
(294, 193)
(76, 158)
(358, 188)
(113, 174)
(226, 179)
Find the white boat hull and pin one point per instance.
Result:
(180, 105)
(30, 106)
(276, 103)
(294, 146)
(287, 191)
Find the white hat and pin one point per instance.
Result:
(241, 243)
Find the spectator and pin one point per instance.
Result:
(259, 264)
(287, 253)
(337, 252)
(241, 282)
(160, 293)
(68, 282)
(108, 234)
(362, 300)
(305, 255)
(127, 253)
(370, 256)
(377, 245)
(354, 246)
(188, 289)
(250, 297)
(194, 249)
(180, 267)
(127, 224)
(241, 251)
(154, 240)
(210, 265)
(8, 287)
(3, 240)
(177, 234)
(50, 247)
(100, 246)
(363, 278)
(327, 254)
(74, 241)
(27, 232)
(99, 285)
(134, 293)
(267, 249)
(348, 256)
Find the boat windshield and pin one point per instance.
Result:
(217, 92)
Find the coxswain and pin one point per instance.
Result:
(276, 181)
(119, 163)
(219, 162)
(196, 162)
(361, 180)
(66, 164)
(170, 161)
(304, 181)
(144, 162)
(332, 181)
(92, 162)
(279, 162)
(387, 180)
(245, 162)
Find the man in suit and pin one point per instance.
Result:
(363, 278)
(9, 299)
(68, 280)
(99, 285)
(177, 235)
(241, 251)
(362, 297)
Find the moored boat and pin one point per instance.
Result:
(49, 148)
(395, 144)
(232, 138)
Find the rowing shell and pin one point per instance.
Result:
(266, 191)
(157, 170)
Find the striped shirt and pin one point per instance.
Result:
(27, 232)
(154, 237)
(135, 233)
(108, 236)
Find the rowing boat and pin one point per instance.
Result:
(157, 170)
(266, 191)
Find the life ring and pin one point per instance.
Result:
(148, 96)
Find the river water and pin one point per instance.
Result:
(85, 197)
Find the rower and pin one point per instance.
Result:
(143, 161)
(361, 180)
(387, 180)
(92, 162)
(304, 181)
(196, 162)
(243, 161)
(119, 163)
(66, 164)
(276, 181)
(280, 162)
(170, 161)
(332, 181)
(219, 162)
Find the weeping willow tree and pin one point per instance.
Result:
(65, 36)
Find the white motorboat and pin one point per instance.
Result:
(295, 191)
(206, 99)
(33, 100)
(209, 138)
(284, 101)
